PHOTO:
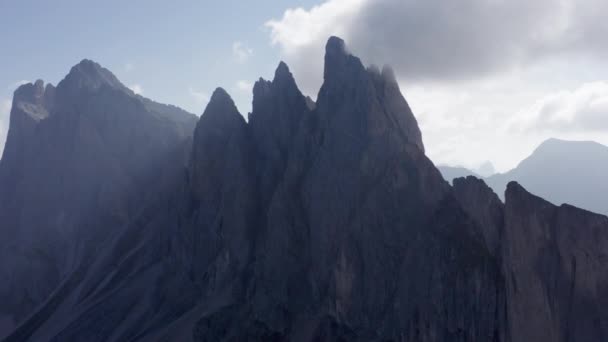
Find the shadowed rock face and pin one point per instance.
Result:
(553, 262)
(324, 221)
(71, 155)
(556, 270)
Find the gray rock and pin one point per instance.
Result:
(555, 270)
(321, 222)
(75, 168)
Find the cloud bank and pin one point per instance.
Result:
(443, 40)
(487, 79)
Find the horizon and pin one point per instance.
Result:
(472, 108)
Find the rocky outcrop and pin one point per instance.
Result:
(484, 206)
(76, 165)
(552, 261)
(326, 221)
(555, 270)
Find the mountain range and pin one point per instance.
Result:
(559, 170)
(128, 220)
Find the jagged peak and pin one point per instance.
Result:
(34, 99)
(517, 194)
(337, 58)
(90, 75)
(29, 92)
(282, 71)
(335, 47)
(220, 105)
(283, 85)
(221, 96)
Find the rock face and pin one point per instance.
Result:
(325, 222)
(553, 262)
(75, 161)
(484, 206)
(556, 271)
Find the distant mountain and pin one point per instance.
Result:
(572, 172)
(486, 169)
(560, 171)
(309, 222)
(451, 172)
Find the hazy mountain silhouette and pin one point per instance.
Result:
(563, 172)
(311, 222)
(451, 172)
(558, 170)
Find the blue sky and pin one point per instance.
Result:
(487, 80)
(175, 51)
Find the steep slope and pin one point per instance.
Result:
(361, 213)
(317, 222)
(556, 270)
(553, 263)
(563, 172)
(77, 163)
(326, 222)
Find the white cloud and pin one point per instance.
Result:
(5, 109)
(244, 86)
(584, 109)
(137, 89)
(199, 96)
(476, 72)
(241, 52)
(129, 67)
(435, 40)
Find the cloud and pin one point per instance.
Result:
(199, 96)
(137, 89)
(5, 109)
(129, 67)
(584, 109)
(241, 52)
(244, 86)
(437, 40)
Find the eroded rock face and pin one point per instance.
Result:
(326, 221)
(76, 160)
(556, 270)
(484, 206)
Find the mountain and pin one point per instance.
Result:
(552, 262)
(486, 169)
(563, 172)
(559, 170)
(449, 173)
(76, 159)
(325, 222)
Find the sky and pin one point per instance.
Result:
(488, 80)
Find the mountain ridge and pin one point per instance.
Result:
(561, 171)
(326, 222)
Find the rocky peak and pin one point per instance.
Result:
(220, 129)
(91, 76)
(282, 75)
(340, 65)
(34, 99)
(221, 111)
(30, 92)
(484, 206)
(278, 109)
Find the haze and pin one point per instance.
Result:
(487, 81)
